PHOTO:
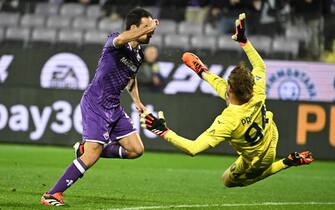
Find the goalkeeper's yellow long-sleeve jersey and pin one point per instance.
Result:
(246, 127)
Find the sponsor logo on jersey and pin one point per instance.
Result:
(129, 64)
(65, 71)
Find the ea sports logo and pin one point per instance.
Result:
(65, 71)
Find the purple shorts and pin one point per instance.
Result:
(102, 125)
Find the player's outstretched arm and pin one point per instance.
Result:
(135, 33)
(159, 127)
(255, 59)
(239, 36)
(194, 63)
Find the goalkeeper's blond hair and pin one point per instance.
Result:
(241, 82)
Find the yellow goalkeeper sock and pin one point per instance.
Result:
(274, 168)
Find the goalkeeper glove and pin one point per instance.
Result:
(194, 63)
(154, 124)
(239, 35)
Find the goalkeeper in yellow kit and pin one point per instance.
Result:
(245, 123)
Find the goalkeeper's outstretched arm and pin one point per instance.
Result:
(239, 36)
(194, 63)
(217, 83)
(255, 59)
(191, 147)
(258, 65)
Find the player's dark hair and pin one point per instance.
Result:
(241, 81)
(134, 17)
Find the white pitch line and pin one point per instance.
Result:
(225, 205)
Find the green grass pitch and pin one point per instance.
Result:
(157, 181)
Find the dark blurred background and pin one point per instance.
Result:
(301, 29)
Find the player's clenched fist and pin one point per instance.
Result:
(154, 124)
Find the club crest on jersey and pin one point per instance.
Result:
(106, 135)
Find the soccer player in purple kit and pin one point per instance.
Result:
(107, 130)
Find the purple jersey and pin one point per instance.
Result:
(115, 68)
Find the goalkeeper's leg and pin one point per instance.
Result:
(239, 174)
(243, 174)
(293, 159)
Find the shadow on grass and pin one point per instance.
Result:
(14, 205)
(114, 200)
(30, 200)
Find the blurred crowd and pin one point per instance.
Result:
(265, 17)
(150, 76)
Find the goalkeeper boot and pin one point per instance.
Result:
(78, 149)
(298, 158)
(194, 63)
(55, 199)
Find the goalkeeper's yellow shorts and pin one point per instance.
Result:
(242, 173)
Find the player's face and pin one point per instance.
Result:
(145, 39)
